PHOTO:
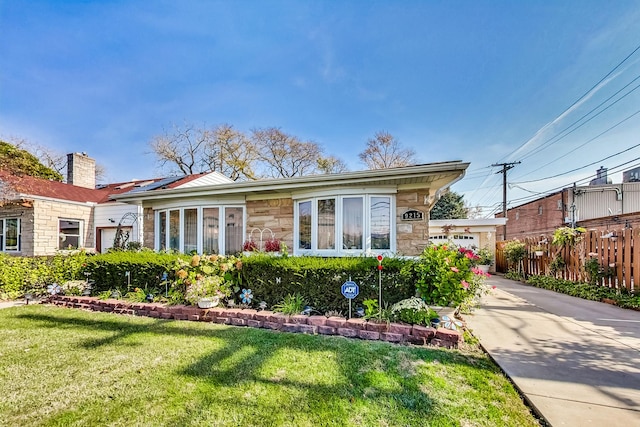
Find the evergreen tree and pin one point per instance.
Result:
(450, 206)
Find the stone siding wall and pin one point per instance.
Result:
(412, 236)
(81, 170)
(275, 214)
(25, 215)
(45, 225)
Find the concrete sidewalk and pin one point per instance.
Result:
(576, 361)
(7, 304)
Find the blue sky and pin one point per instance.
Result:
(454, 80)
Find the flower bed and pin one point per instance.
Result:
(350, 328)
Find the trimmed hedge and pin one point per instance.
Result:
(319, 280)
(145, 268)
(20, 275)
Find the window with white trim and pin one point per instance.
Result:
(344, 224)
(10, 235)
(198, 229)
(70, 233)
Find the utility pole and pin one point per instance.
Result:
(505, 168)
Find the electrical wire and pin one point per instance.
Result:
(575, 102)
(581, 167)
(559, 136)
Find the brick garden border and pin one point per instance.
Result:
(350, 328)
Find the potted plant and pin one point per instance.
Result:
(538, 250)
(485, 259)
(249, 246)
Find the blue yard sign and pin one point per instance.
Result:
(350, 290)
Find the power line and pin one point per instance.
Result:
(588, 178)
(581, 167)
(577, 100)
(559, 136)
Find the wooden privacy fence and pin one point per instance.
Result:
(617, 256)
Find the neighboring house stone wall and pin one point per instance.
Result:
(274, 214)
(412, 236)
(25, 215)
(81, 170)
(45, 223)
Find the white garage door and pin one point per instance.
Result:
(467, 240)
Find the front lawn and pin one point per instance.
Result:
(70, 367)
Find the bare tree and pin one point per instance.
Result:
(384, 151)
(284, 155)
(182, 148)
(331, 164)
(231, 153)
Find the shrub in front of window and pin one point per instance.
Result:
(444, 274)
(212, 276)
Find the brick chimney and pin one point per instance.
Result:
(81, 170)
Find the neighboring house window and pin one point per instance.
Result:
(344, 224)
(517, 215)
(197, 229)
(540, 210)
(70, 234)
(9, 235)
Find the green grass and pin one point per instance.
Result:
(64, 367)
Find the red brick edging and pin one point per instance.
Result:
(350, 328)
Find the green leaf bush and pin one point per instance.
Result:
(318, 280)
(109, 271)
(444, 273)
(20, 275)
(622, 297)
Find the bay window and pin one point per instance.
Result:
(344, 224)
(197, 229)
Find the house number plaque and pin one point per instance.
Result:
(413, 215)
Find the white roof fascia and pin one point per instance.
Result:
(370, 177)
(52, 199)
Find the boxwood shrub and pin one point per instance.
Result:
(20, 275)
(145, 268)
(319, 280)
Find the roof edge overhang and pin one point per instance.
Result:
(368, 177)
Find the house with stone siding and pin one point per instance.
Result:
(352, 213)
(43, 217)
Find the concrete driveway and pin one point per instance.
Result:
(576, 361)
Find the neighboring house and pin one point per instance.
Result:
(353, 213)
(540, 216)
(600, 206)
(42, 217)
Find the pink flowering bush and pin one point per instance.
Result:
(447, 276)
